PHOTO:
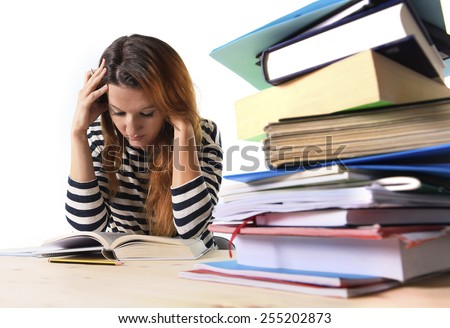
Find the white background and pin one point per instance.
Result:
(46, 47)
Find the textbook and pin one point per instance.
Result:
(242, 54)
(375, 194)
(275, 176)
(343, 180)
(286, 285)
(342, 174)
(398, 253)
(387, 22)
(411, 235)
(364, 80)
(356, 216)
(325, 175)
(350, 134)
(307, 277)
(117, 246)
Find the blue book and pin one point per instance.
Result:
(289, 286)
(440, 170)
(242, 54)
(373, 28)
(425, 155)
(307, 277)
(433, 160)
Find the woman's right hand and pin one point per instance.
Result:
(88, 110)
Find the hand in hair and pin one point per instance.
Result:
(88, 110)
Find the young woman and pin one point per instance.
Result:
(143, 161)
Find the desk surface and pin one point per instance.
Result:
(34, 282)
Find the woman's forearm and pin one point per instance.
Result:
(82, 167)
(186, 165)
(86, 112)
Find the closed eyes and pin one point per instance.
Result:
(147, 112)
(142, 114)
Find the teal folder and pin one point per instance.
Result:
(242, 55)
(430, 11)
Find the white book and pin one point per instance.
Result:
(318, 176)
(400, 257)
(383, 193)
(339, 40)
(356, 216)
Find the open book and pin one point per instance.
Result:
(120, 246)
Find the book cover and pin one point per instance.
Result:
(385, 23)
(242, 54)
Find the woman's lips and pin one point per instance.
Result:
(135, 138)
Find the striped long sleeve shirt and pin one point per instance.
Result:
(89, 208)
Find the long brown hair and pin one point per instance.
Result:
(151, 65)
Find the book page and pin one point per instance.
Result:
(119, 239)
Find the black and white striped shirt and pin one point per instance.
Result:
(88, 207)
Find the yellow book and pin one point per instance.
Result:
(366, 79)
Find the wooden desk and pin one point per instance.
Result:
(33, 282)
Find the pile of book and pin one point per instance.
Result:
(353, 115)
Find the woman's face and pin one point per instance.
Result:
(134, 115)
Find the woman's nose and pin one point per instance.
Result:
(133, 126)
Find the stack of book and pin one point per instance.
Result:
(353, 117)
(314, 79)
(331, 138)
